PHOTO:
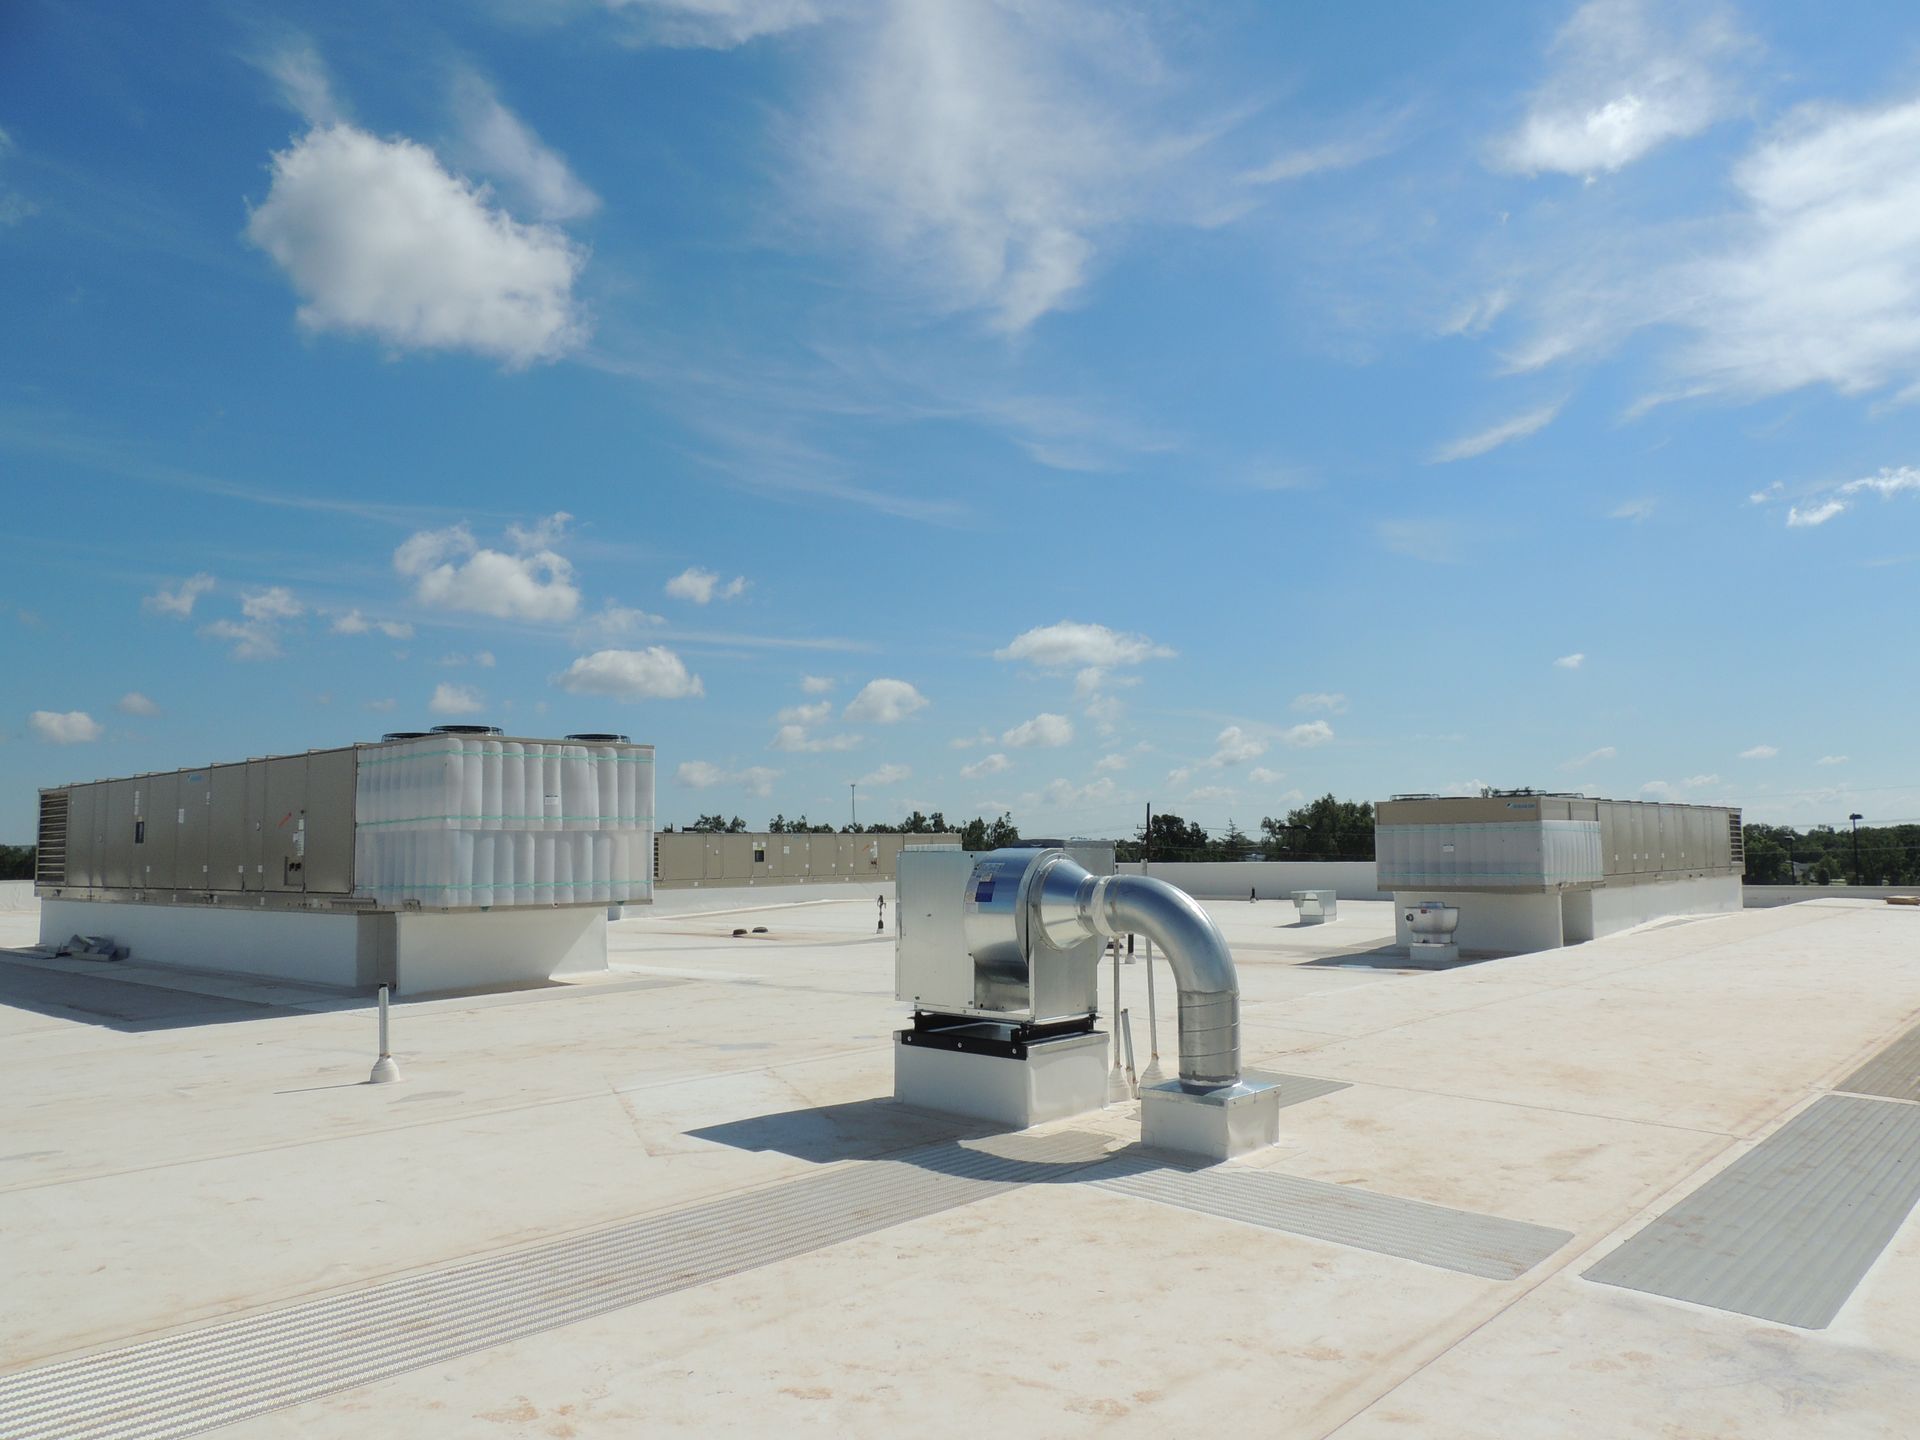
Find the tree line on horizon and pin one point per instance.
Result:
(1323, 829)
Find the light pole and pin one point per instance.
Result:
(1855, 818)
(853, 800)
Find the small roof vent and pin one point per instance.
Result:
(604, 737)
(467, 730)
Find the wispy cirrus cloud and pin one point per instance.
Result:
(1467, 447)
(1628, 76)
(1813, 278)
(756, 780)
(499, 143)
(1838, 499)
(982, 153)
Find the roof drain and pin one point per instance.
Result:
(1068, 904)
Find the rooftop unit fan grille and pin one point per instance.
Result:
(50, 855)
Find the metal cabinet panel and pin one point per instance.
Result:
(82, 842)
(228, 831)
(156, 833)
(331, 776)
(190, 859)
(253, 850)
(117, 834)
(283, 825)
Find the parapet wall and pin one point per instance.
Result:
(1268, 879)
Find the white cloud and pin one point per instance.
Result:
(1814, 514)
(179, 601)
(1210, 792)
(986, 149)
(14, 207)
(703, 775)
(1105, 712)
(885, 775)
(134, 703)
(815, 685)
(1580, 762)
(1234, 746)
(452, 571)
(994, 764)
(304, 83)
(272, 604)
(1699, 782)
(1111, 763)
(716, 24)
(1045, 731)
(382, 706)
(1333, 703)
(1261, 775)
(703, 586)
(1476, 317)
(1627, 79)
(251, 639)
(379, 239)
(455, 700)
(1759, 752)
(354, 623)
(1887, 484)
(1573, 661)
(655, 673)
(64, 727)
(1072, 644)
(1065, 795)
(885, 702)
(967, 742)
(1634, 510)
(501, 144)
(1814, 280)
(1307, 160)
(1831, 760)
(795, 739)
(1492, 438)
(805, 714)
(1305, 737)
(612, 619)
(1180, 775)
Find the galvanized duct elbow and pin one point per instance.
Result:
(1069, 903)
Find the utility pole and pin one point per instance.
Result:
(853, 799)
(1855, 818)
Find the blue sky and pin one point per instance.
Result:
(1045, 408)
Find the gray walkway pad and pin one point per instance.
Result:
(1787, 1231)
(201, 1379)
(1894, 1072)
(1483, 1245)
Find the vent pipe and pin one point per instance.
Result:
(1068, 904)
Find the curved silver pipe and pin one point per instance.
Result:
(1068, 903)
